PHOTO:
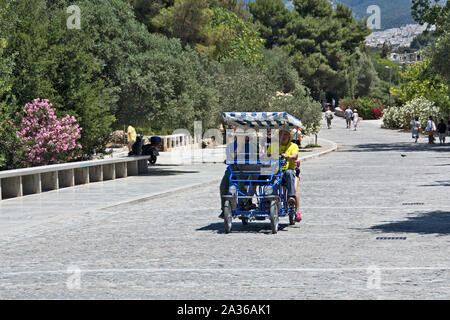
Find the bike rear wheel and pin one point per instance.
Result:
(274, 218)
(227, 217)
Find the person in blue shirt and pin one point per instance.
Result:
(232, 151)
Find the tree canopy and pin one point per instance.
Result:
(321, 40)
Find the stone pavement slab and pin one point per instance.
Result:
(173, 172)
(376, 226)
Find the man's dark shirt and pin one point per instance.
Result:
(442, 128)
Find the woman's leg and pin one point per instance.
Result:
(297, 192)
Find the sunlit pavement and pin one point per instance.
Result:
(376, 225)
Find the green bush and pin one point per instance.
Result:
(400, 117)
(257, 89)
(12, 150)
(49, 60)
(368, 108)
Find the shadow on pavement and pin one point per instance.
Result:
(399, 146)
(238, 227)
(165, 172)
(437, 222)
(445, 183)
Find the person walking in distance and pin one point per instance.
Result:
(355, 118)
(430, 129)
(328, 118)
(324, 105)
(415, 128)
(442, 130)
(348, 117)
(333, 104)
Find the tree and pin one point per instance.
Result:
(235, 6)
(322, 42)
(271, 16)
(420, 80)
(386, 50)
(431, 12)
(278, 68)
(50, 61)
(422, 40)
(427, 11)
(146, 10)
(273, 86)
(215, 31)
(154, 81)
(185, 20)
(231, 38)
(367, 79)
(6, 60)
(441, 57)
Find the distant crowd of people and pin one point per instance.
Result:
(351, 116)
(431, 130)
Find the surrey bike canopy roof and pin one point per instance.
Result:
(262, 119)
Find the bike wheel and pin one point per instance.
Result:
(291, 218)
(274, 218)
(227, 216)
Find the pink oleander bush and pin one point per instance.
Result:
(47, 138)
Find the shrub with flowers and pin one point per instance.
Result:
(368, 108)
(47, 138)
(400, 117)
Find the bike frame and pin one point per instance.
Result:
(237, 177)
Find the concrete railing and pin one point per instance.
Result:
(178, 141)
(21, 182)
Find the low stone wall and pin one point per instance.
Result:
(21, 182)
(178, 141)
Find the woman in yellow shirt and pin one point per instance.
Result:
(131, 137)
(288, 151)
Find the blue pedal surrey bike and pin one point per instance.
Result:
(256, 188)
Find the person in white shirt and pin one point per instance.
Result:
(355, 118)
(328, 117)
(431, 129)
(348, 117)
(415, 126)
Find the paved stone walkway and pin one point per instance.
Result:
(377, 185)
